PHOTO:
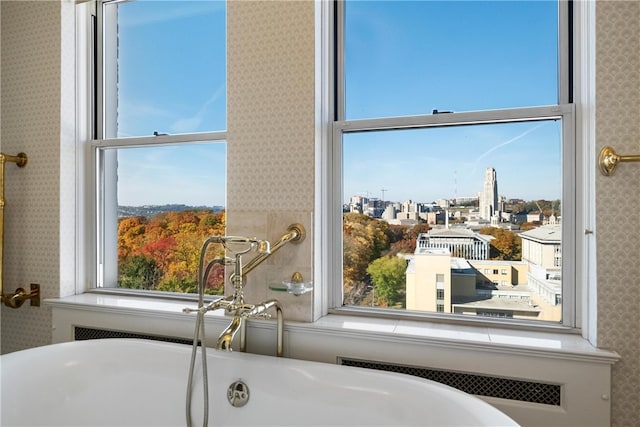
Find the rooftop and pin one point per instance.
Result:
(544, 234)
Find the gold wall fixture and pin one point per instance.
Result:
(608, 160)
(17, 298)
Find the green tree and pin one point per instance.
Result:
(139, 272)
(388, 278)
(174, 284)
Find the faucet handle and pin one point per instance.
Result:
(263, 315)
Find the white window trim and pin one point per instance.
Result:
(578, 310)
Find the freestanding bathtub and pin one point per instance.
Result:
(124, 382)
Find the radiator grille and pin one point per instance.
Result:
(480, 385)
(81, 334)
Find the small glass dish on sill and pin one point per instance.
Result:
(296, 286)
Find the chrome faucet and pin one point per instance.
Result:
(235, 305)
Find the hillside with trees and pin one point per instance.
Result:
(161, 252)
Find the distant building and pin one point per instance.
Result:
(460, 242)
(542, 251)
(489, 196)
(389, 213)
(372, 207)
(438, 282)
(443, 203)
(356, 203)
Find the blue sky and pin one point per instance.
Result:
(451, 56)
(403, 58)
(172, 71)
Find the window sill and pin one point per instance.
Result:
(508, 341)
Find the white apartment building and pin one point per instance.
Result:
(460, 242)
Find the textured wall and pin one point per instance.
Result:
(31, 124)
(271, 106)
(271, 138)
(618, 200)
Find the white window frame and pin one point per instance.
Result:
(576, 176)
(101, 156)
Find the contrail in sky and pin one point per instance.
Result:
(502, 144)
(190, 124)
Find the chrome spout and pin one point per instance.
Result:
(226, 337)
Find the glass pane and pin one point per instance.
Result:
(170, 199)
(169, 61)
(462, 219)
(413, 57)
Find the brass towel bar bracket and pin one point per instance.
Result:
(608, 160)
(20, 160)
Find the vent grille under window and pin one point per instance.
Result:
(480, 385)
(81, 334)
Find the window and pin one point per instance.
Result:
(159, 142)
(455, 129)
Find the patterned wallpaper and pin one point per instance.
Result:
(271, 137)
(618, 200)
(30, 35)
(271, 110)
(271, 156)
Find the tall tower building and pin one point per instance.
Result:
(489, 195)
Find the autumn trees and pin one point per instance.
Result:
(369, 261)
(506, 245)
(372, 269)
(162, 252)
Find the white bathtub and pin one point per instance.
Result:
(118, 382)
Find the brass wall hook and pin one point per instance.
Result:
(608, 160)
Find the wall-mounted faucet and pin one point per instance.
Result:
(235, 305)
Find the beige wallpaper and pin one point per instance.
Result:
(30, 102)
(618, 200)
(270, 109)
(270, 151)
(271, 157)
